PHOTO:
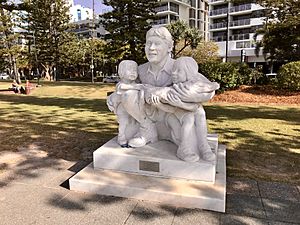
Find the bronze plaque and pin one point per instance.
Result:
(149, 166)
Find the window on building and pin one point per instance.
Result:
(174, 7)
(192, 23)
(173, 18)
(79, 14)
(192, 13)
(193, 3)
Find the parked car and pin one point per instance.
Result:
(111, 79)
(4, 76)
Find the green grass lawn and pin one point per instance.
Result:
(71, 120)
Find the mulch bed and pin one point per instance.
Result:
(259, 95)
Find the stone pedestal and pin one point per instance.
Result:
(154, 173)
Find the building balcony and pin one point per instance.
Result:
(239, 37)
(244, 44)
(160, 22)
(216, 2)
(161, 9)
(185, 2)
(240, 8)
(237, 23)
(217, 12)
(219, 38)
(167, 10)
(218, 26)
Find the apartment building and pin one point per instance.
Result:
(194, 12)
(232, 27)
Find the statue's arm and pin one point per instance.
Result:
(176, 101)
(131, 86)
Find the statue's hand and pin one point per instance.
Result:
(173, 99)
(182, 91)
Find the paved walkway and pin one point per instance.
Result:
(33, 191)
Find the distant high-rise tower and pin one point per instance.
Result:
(232, 27)
(194, 12)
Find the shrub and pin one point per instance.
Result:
(289, 76)
(249, 75)
(226, 74)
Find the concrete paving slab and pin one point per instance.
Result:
(278, 191)
(281, 223)
(196, 216)
(151, 214)
(27, 204)
(245, 206)
(282, 210)
(227, 219)
(109, 210)
(242, 187)
(36, 171)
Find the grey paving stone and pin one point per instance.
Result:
(151, 214)
(196, 216)
(28, 204)
(109, 210)
(242, 187)
(282, 210)
(278, 191)
(227, 219)
(242, 205)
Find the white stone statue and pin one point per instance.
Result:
(166, 104)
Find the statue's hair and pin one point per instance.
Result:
(125, 65)
(189, 65)
(161, 32)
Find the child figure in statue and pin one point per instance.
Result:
(188, 85)
(127, 71)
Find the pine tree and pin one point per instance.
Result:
(47, 21)
(9, 47)
(127, 24)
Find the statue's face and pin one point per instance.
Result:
(178, 74)
(130, 73)
(156, 49)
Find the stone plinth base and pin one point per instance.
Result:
(173, 191)
(158, 159)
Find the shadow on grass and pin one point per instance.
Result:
(272, 154)
(254, 157)
(96, 105)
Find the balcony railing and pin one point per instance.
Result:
(185, 1)
(218, 25)
(161, 9)
(158, 22)
(216, 0)
(219, 38)
(239, 37)
(244, 44)
(239, 8)
(216, 12)
(236, 23)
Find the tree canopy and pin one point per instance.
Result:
(127, 24)
(47, 21)
(281, 31)
(183, 36)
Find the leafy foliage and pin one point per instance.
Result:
(229, 75)
(127, 24)
(183, 36)
(205, 51)
(281, 31)
(289, 76)
(47, 21)
(10, 50)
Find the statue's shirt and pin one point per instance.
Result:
(162, 79)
